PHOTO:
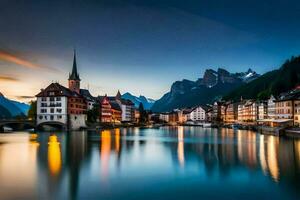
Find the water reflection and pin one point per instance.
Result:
(54, 155)
(180, 148)
(112, 163)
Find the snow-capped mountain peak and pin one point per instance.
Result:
(147, 102)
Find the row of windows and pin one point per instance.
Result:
(77, 100)
(77, 106)
(282, 111)
(51, 117)
(52, 98)
(76, 112)
(282, 104)
(51, 105)
(51, 110)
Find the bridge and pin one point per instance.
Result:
(17, 125)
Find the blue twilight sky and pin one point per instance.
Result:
(140, 46)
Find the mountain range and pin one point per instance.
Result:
(10, 108)
(212, 86)
(285, 78)
(147, 102)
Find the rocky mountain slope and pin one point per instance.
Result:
(212, 86)
(285, 78)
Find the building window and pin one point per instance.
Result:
(44, 98)
(59, 116)
(51, 117)
(52, 110)
(52, 99)
(51, 93)
(58, 110)
(58, 99)
(41, 117)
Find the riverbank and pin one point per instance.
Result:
(292, 132)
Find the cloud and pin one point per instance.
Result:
(20, 61)
(8, 78)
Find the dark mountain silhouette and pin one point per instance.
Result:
(212, 86)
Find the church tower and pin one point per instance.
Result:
(74, 80)
(118, 96)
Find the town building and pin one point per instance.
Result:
(77, 105)
(247, 111)
(218, 113)
(52, 105)
(90, 100)
(271, 111)
(127, 108)
(284, 108)
(116, 112)
(105, 110)
(287, 106)
(58, 105)
(137, 116)
(262, 109)
(197, 114)
(164, 117)
(230, 112)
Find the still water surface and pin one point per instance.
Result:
(166, 163)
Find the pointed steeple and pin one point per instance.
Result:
(74, 75)
(118, 96)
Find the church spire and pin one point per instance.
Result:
(118, 96)
(74, 80)
(74, 75)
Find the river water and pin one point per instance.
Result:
(164, 163)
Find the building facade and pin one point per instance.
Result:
(105, 110)
(64, 106)
(197, 114)
(52, 105)
(271, 110)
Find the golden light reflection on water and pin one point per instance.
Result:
(117, 139)
(180, 146)
(105, 151)
(54, 155)
(262, 156)
(297, 151)
(272, 157)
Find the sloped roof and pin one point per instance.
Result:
(58, 90)
(115, 105)
(127, 102)
(87, 95)
(292, 95)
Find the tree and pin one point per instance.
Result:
(32, 110)
(93, 114)
(143, 113)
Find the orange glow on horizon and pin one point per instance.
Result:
(19, 61)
